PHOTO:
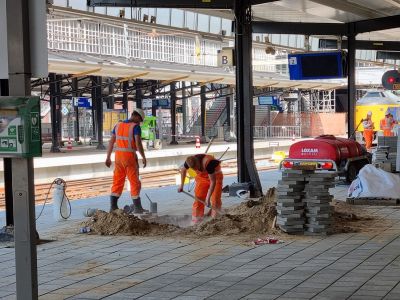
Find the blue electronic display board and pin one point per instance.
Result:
(317, 65)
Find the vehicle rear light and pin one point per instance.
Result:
(327, 166)
(288, 164)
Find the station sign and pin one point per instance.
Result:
(84, 102)
(226, 57)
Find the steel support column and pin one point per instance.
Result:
(247, 172)
(153, 96)
(139, 93)
(59, 107)
(172, 88)
(351, 81)
(228, 109)
(203, 101)
(99, 111)
(75, 93)
(8, 193)
(55, 146)
(19, 71)
(125, 87)
(184, 107)
(110, 98)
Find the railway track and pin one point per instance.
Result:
(93, 187)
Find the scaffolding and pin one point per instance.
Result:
(320, 101)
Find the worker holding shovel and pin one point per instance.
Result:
(208, 188)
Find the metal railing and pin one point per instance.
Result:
(279, 132)
(133, 41)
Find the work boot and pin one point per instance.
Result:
(137, 206)
(113, 203)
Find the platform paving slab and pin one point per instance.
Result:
(77, 266)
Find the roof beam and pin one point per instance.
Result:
(374, 45)
(255, 2)
(300, 28)
(175, 79)
(210, 81)
(377, 24)
(89, 72)
(133, 77)
(206, 4)
(268, 85)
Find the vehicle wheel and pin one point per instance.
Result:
(352, 173)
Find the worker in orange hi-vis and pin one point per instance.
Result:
(368, 130)
(208, 188)
(127, 139)
(387, 124)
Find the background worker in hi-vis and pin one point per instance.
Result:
(127, 139)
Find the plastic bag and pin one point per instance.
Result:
(375, 183)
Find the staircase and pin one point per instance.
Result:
(213, 114)
(260, 115)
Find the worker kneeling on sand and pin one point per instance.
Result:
(127, 139)
(208, 188)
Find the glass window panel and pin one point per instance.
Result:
(227, 26)
(163, 16)
(113, 11)
(60, 2)
(292, 40)
(275, 39)
(78, 4)
(190, 20)
(215, 25)
(202, 22)
(100, 10)
(177, 18)
(128, 12)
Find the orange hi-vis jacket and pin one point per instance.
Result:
(201, 190)
(126, 162)
(387, 126)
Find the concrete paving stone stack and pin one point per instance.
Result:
(317, 200)
(380, 154)
(391, 142)
(289, 205)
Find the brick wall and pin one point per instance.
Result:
(315, 124)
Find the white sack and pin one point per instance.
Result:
(374, 182)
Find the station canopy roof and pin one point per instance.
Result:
(289, 11)
(326, 11)
(76, 63)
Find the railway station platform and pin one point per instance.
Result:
(84, 162)
(81, 266)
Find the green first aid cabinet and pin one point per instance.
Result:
(20, 127)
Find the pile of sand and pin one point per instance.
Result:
(120, 223)
(353, 218)
(252, 216)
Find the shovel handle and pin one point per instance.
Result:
(203, 202)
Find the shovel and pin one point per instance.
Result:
(203, 202)
(153, 205)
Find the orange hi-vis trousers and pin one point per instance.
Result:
(126, 165)
(368, 136)
(201, 190)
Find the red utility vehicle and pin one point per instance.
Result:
(329, 153)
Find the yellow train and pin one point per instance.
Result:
(377, 102)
